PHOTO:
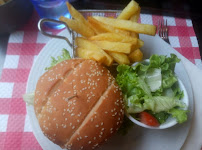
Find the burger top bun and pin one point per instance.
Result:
(89, 118)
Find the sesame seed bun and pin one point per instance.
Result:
(91, 117)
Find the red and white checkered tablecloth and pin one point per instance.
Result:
(24, 46)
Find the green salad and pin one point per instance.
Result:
(151, 90)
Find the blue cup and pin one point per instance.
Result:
(51, 9)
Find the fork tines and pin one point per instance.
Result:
(163, 29)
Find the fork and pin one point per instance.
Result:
(163, 30)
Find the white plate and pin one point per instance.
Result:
(138, 138)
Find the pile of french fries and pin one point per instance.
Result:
(109, 40)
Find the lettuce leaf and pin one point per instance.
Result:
(162, 103)
(54, 61)
(179, 114)
(154, 79)
(161, 116)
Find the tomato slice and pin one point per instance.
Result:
(148, 119)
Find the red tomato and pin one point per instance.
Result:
(148, 119)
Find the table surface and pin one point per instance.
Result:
(21, 51)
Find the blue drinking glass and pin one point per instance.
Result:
(51, 9)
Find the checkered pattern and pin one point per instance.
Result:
(25, 44)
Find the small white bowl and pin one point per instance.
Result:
(170, 121)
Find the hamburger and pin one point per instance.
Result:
(78, 104)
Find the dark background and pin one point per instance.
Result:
(191, 9)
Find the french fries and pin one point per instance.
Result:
(107, 40)
(86, 44)
(128, 25)
(115, 46)
(129, 10)
(114, 37)
(79, 24)
(136, 16)
(136, 56)
(75, 14)
(80, 28)
(90, 54)
(120, 58)
(103, 28)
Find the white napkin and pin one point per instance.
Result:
(194, 139)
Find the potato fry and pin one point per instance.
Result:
(135, 35)
(128, 25)
(139, 44)
(86, 44)
(103, 28)
(80, 19)
(120, 58)
(114, 37)
(90, 54)
(115, 46)
(129, 10)
(96, 29)
(97, 26)
(75, 14)
(136, 16)
(78, 27)
(136, 56)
